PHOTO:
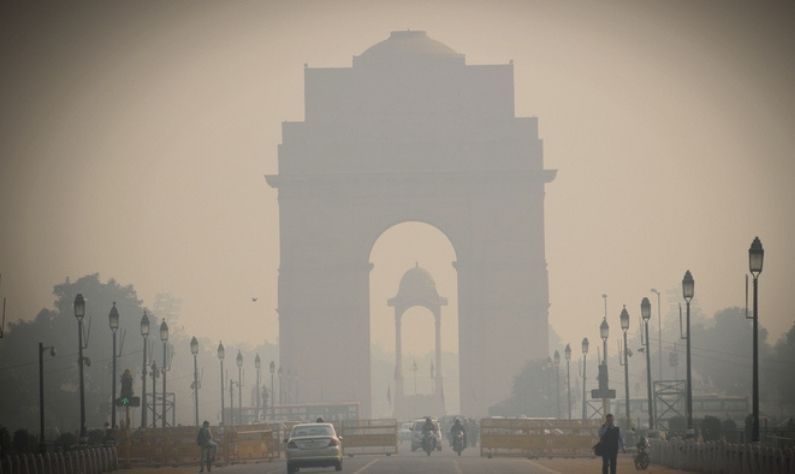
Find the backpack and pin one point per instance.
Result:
(201, 438)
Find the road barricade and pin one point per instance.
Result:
(251, 445)
(536, 438)
(369, 436)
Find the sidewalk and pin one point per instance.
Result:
(594, 466)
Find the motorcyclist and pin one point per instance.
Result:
(429, 429)
(458, 427)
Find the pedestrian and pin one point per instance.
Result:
(610, 440)
(207, 445)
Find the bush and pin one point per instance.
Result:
(24, 442)
(66, 441)
(677, 424)
(95, 437)
(730, 430)
(711, 428)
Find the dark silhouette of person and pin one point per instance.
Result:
(610, 439)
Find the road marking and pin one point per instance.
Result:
(367, 465)
(543, 468)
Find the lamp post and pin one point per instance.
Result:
(279, 374)
(221, 354)
(756, 257)
(231, 401)
(688, 289)
(113, 321)
(645, 312)
(164, 340)
(194, 349)
(42, 350)
(145, 335)
(272, 368)
(258, 366)
(585, 345)
(556, 364)
(239, 361)
(154, 394)
(80, 312)
(604, 333)
(659, 336)
(567, 354)
(624, 318)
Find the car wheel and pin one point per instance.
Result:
(338, 466)
(291, 468)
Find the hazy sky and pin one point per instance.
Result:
(135, 136)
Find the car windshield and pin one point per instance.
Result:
(314, 430)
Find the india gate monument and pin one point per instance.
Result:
(410, 132)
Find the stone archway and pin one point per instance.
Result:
(410, 133)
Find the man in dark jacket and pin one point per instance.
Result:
(208, 446)
(610, 440)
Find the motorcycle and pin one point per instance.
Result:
(428, 443)
(458, 442)
(642, 459)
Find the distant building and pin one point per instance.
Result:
(410, 133)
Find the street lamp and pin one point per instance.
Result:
(80, 313)
(145, 335)
(556, 361)
(624, 318)
(194, 349)
(221, 354)
(164, 340)
(604, 333)
(272, 368)
(688, 289)
(239, 360)
(42, 350)
(113, 321)
(258, 366)
(756, 257)
(567, 353)
(154, 394)
(645, 312)
(659, 336)
(585, 345)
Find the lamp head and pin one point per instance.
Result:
(164, 331)
(688, 286)
(556, 358)
(239, 359)
(221, 352)
(624, 318)
(272, 367)
(145, 325)
(257, 362)
(756, 257)
(567, 351)
(604, 330)
(585, 345)
(113, 318)
(194, 346)
(645, 308)
(80, 307)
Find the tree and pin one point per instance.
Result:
(776, 370)
(533, 392)
(722, 351)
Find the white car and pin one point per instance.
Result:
(405, 431)
(416, 434)
(313, 445)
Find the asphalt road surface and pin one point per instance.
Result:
(411, 463)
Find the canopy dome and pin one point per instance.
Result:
(417, 287)
(406, 45)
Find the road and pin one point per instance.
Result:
(412, 463)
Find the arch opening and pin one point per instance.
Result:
(424, 251)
